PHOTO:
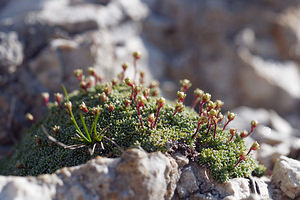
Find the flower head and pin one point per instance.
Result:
(83, 107)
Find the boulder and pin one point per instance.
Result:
(286, 177)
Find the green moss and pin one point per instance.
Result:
(31, 158)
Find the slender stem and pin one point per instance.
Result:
(140, 117)
(215, 130)
(251, 131)
(201, 108)
(194, 103)
(77, 127)
(231, 137)
(225, 124)
(238, 162)
(85, 128)
(249, 151)
(157, 114)
(135, 69)
(194, 135)
(208, 129)
(175, 112)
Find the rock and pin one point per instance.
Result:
(195, 183)
(286, 176)
(136, 175)
(11, 52)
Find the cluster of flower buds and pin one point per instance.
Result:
(197, 97)
(185, 85)
(107, 88)
(232, 132)
(151, 119)
(127, 103)
(103, 97)
(95, 110)
(111, 107)
(121, 75)
(178, 108)
(55, 129)
(254, 147)
(136, 56)
(129, 82)
(45, 97)
(58, 98)
(180, 96)
(254, 124)
(68, 106)
(83, 107)
(93, 73)
(114, 82)
(230, 117)
(78, 74)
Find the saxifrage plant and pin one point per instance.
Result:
(105, 119)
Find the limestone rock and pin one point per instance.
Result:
(286, 176)
(136, 175)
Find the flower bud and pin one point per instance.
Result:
(58, 98)
(45, 96)
(160, 102)
(129, 82)
(141, 100)
(219, 104)
(233, 131)
(29, 117)
(95, 110)
(127, 102)
(206, 97)
(91, 71)
(78, 73)
(244, 134)
(230, 116)
(212, 113)
(243, 155)
(136, 55)
(55, 129)
(110, 107)
(185, 84)
(103, 96)
(124, 66)
(107, 88)
(254, 124)
(255, 146)
(179, 106)
(198, 93)
(114, 82)
(146, 92)
(151, 118)
(180, 96)
(83, 107)
(68, 106)
(210, 105)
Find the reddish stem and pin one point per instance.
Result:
(157, 114)
(199, 122)
(238, 162)
(208, 129)
(215, 129)
(140, 117)
(226, 124)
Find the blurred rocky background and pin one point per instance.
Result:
(246, 53)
